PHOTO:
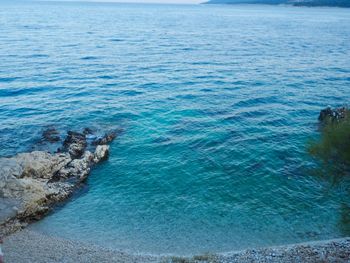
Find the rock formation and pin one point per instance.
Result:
(37, 180)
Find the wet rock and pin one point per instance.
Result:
(39, 179)
(51, 135)
(28, 178)
(76, 150)
(74, 137)
(107, 138)
(87, 131)
(329, 114)
(101, 153)
(78, 168)
(75, 143)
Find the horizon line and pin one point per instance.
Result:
(117, 2)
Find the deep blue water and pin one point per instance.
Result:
(216, 105)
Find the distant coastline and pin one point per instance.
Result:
(310, 3)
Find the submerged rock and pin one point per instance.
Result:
(51, 135)
(87, 131)
(37, 180)
(107, 138)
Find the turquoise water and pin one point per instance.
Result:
(215, 105)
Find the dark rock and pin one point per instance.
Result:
(107, 138)
(74, 137)
(329, 114)
(75, 143)
(55, 177)
(51, 135)
(76, 150)
(87, 131)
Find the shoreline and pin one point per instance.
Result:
(30, 246)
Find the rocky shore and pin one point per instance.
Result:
(32, 183)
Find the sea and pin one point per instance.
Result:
(215, 106)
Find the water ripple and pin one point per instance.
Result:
(216, 105)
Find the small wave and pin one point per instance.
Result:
(20, 91)
(131, 92)
(255, 101)
(8, 79)
(207, 90)
(38, 56)
(116, 40)
(105, 77)
(161, 140)
(89, 58)
(186, 96)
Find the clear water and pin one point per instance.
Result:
(216, 104)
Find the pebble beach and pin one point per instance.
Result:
(31, 247)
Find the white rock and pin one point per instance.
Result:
(101, 153)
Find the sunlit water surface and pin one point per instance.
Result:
(215, 104)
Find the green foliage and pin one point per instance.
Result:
(334, 144)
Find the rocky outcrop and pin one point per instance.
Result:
(107, 138)
(329, 114)
(75, 143)
(38, 180)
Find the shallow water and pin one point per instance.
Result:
(216, 104)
